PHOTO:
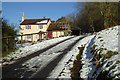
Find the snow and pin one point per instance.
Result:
(44, 21)
(49, 55)
(109, 36)
(27, 50)
(110, 42)
(108, 39)
(86, 58)
(23, 45)
(63, 68)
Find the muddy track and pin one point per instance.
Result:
(44, 73)
(8, 71)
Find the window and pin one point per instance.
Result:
(40, 26)
(28, 36)
(28, 27)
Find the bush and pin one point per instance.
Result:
(75, 74)
(8, 38)
(109, 54)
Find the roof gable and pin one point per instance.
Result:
(57, 26)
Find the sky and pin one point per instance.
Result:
(12, 11)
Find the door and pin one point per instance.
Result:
(49, 34)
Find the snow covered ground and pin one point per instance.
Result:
(39, 62)
(95, 57)
(108, 38)
(104, 41)
(86, 58)
(27, 50)
(23, 45)
(62, 70)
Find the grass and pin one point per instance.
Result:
(97, 56)
(109, 63)
(118, 74)
(110, 54)
(103, 76)
(101, 40)
(117, 62)
(4, 54)
(93, 48)
(97, 52)
(112, 67)
(99, 37)
(75, 74)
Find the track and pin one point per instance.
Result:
(44, 73)
(10, 71)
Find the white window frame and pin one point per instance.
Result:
(28, 36)
(40, 26)
(28, 27)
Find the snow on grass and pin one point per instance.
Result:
(86, 58)
(23, 45)
(106, 46)
(108, 38)
(22, 52)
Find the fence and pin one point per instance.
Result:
(8, 43)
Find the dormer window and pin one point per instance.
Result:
(28, 26)
(42, 22)
(40, 26)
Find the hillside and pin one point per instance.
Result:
(95, 56)
(100, 57)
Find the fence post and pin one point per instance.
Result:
(7, 45)
(21, 40)
(32, 38)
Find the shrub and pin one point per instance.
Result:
(8, 38)
(109, 54)
(77, 65)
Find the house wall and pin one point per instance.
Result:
(34, 29)
(57, 33)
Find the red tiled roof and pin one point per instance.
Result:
(33, 21)
(57, 26)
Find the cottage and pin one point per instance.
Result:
(57, 29)
(35, 29)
